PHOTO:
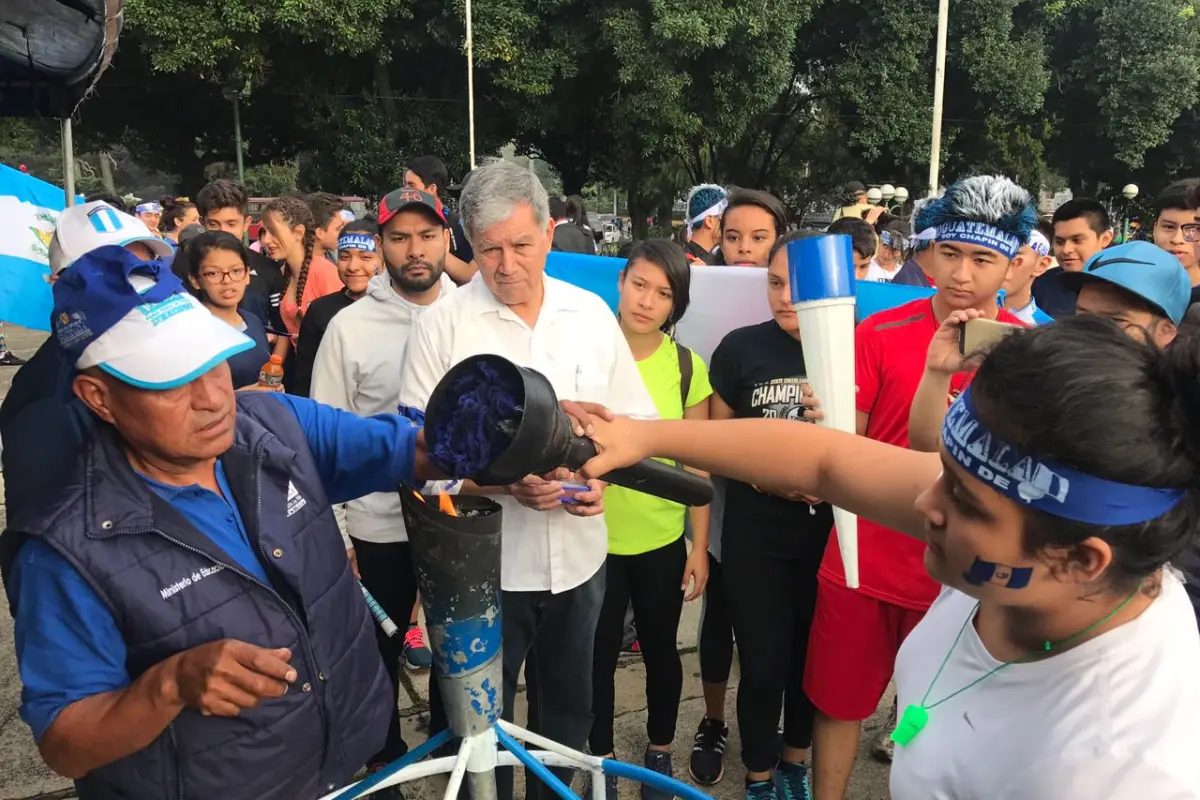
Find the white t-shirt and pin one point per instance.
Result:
(1116, 718)
(578, 345)
(877, 273)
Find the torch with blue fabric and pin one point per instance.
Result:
(494, 422)
(821, 273)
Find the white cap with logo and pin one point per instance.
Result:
(83, 228)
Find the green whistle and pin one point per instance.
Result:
(912, 721)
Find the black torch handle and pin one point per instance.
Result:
(648, 476)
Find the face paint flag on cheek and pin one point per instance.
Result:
(982, 572)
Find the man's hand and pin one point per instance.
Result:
(583, 416)
(945, 356)
(586, 504)
(540, 494)
(695, 572)
(222, 678)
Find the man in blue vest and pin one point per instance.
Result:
(187, 624)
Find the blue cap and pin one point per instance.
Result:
(1142, 269)
(132, 319)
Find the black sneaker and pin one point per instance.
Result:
(10, 359)
(660, 762)
(761, 790)
(708, 753)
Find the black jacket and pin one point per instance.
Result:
(570, 238)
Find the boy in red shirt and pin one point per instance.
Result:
(981, 222)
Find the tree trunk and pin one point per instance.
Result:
(639, 210)
(666, 210)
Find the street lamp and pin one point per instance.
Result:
(234, 95)
(1129, 192)
(874, 196)
(900, 196)
(887, 191)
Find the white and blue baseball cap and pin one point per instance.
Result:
(133, 320)
(1144, 270)
(83, 228)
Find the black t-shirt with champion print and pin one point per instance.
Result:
(759, 372)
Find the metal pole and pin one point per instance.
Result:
(470, 85)
(237, 137)
(939, 88)
(68, 156)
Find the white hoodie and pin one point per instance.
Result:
(358, 369)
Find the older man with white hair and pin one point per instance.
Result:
(555, 541)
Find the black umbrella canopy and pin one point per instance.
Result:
(52, 52)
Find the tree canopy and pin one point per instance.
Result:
(650, 96)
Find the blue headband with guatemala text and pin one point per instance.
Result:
(148, 208)
(1050, 487)
(980, 233)
(356, 241)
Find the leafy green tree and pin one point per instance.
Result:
(1125, 72)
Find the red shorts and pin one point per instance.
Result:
(852, 648)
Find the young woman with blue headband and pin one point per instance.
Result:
(1059, 661)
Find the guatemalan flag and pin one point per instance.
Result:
(28, 210)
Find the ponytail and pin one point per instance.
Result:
(310, 241)
(294, 211)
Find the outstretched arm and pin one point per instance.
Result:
(871, 479)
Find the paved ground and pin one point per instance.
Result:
(23, 775)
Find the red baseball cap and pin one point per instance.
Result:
(399, 199)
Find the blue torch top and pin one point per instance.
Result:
(821, 267)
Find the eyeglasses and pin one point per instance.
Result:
(1191, 230)
(235, 275)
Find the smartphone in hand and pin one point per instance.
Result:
(981, 335)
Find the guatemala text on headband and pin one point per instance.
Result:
(148, 208)
(1053, 488)
(980, 233)
(356, 241)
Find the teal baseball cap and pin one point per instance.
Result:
(1142, 269)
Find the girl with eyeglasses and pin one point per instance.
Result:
(218, 275)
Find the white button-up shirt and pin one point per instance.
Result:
(577, 344)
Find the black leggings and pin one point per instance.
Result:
(771, 602)
(387, 572)
(651, 582)
(716, 631)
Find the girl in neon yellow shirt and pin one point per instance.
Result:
(648, 562)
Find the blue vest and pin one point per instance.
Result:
(171, 589)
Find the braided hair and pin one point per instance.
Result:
(294, 211)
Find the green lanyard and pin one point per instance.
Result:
(916, 716)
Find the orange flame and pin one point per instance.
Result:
(419, 496)
(446, 504)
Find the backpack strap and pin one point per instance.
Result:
(685, 373)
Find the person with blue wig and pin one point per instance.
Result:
(702, 225)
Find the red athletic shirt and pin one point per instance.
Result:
(889, 358)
